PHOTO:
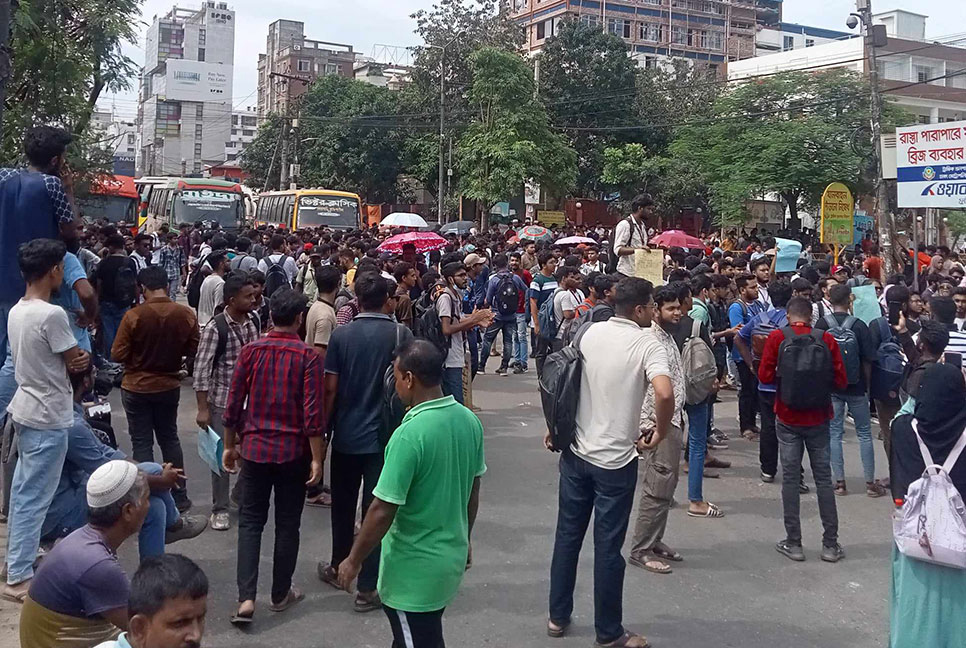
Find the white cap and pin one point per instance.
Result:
(110, 482)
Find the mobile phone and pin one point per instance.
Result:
(895, 307)
(953, 359)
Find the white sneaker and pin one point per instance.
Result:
(220, 522)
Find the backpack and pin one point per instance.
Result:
(560, 393)
(236, 262)
(507, 296)
(548, 319)
(612, 257)
(700, 368)
(887, 368)
(194, 283)
(759, 336)
(931, 525)
(276, 277)
(848, 343)
(126, 283)
(804, 370)
(393, 409)
(429, 327)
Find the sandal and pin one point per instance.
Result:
(628, 640)
(293, 597)
(840, 488)
(712, 512)
(322, 500)
(328, 575)
(714, 462)
(556, 631)
(13, 595)
(240, 620)
(363, 603)
(652, 565)
(666, 553)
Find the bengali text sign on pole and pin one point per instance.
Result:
(838, 213)
(931, 165)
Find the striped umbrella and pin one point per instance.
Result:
(535, 233)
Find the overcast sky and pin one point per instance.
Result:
(367, 23)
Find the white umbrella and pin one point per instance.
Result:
(403, 219)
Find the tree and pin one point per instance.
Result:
(509, 140)
(587, 81)
(674, 184)
(260, 157)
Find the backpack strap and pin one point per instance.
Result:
(831, 321)
(849, 322)
(884, 332)
(221, 326)
(955, 453)
(695, 328)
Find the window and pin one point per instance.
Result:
(331, 69)
(590, 20)
(249, 120)
(248, 133)
(234, 131)
(231, 157)
(130, 138)
(197, 166)
(678, 35)
(234, 120)
(923, 73)
(198, 131)
(809, 42)
(199, 111)
(788, 43)
(198, 150)
(229, 145)
(202, 37)
(923, 119)
(541, 30)
(201, 53)
(619, 27)
(304, 65)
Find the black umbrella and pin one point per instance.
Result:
(457, 227)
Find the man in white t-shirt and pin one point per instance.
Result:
(212, 288)
(454, 324)
(44, 350)
(565, 302)
(599, 474)
(280, 255)
(631, 234)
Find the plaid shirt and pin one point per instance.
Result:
(172, 260)
(215, 378)
(279, 378)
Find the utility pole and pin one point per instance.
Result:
(6, 62)
(442, 132)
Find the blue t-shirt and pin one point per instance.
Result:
(738, 316)
(762, 324)
(67, 299)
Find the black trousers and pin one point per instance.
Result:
(416, 629)
(768, 441)
(258, 480)
(153, 417)
(747, 397)
(349, 471)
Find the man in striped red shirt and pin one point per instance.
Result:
(273, 420)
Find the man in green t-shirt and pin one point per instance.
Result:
(424, 504)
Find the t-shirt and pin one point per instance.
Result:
(39, 332)
(565, 300)
(287, 263)
(432, 460)
(448, 306)
(867, 352)
(211, 296)
(739, 314)
(68, 300)
(620, 359)
(319, 323)
(960, 322)
(359, 354)
(81, 577)
(107, 274)
(628, 233)
(541, 289)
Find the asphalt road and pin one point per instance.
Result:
(732, 590)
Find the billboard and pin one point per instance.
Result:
(196, 81)
(838, 215)
(931, 165)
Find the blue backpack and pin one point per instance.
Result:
(548, 319)
(848, 346)
(887, 369)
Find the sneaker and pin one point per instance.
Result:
(803, 487)
(519, 370)
(718, 433)
(768, 479)
(501, 371)
(220, 521)
(833, 554)
(717, 441)
(875, 489)
(840, 488)
(792, 552)
(187, 526)
(481, 371)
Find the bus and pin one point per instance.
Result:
(114, 198)
(300, 208)
(188, 200)
(145, 185)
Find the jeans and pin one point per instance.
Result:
(473, 343)
(151, 416)
(8, 383)
(609, 495)
(415, 629)
(40, 462)
(258, 480)
(111, 316)
(859, 407)
(453, 383)
(747, 397)
(507, 327)
(521, 340)
(697, 447)
(793, 441)
(349, 471)
(768, 441)
(162, 513)
(173, 284)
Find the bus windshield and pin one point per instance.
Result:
(113, 208)
(338, 212)
(222, 207)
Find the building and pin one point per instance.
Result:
(785, 37)
(912, 71)
(184, 110)
(711, 31)
(394, 77)
(291, 63)
(119, 137)
(244, 125)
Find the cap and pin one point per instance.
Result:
(110, 482)
(308, 246)
(473, 259)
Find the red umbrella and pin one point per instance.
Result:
(677, 238)
(424, 242)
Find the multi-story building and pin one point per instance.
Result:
(184, 111)
(292, 62)
(244, 125)
(384, 75)
(710, 31)
(119, 137)
(785, 37)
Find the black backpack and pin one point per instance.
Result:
(429, 327)
(194, 283)
(276, 277)
(560, 393)
(126, 283)
(804, 370)
(507, 296)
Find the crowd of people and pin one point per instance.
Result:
(333, 371)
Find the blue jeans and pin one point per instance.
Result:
(111, 316)
(40, 461)
(507, 327)
(521, 339)
(859, 407)
(453, 383)
(609, 495)
(473, 343)
(697, 447)
(161, 515)
(174, 283)
(8, 384)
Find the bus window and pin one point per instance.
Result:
(339, 212)
(222, 207)
(288, 209)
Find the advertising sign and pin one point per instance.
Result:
(197, 81)
(931, 165)
(549, 218)
(838, 210)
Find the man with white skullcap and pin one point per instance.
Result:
(80, 588)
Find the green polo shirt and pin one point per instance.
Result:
(431, 462)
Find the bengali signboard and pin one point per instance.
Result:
(549, 218)
(931, 165)
(838, 210)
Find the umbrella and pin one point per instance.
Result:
(535, 233)
(424, 242)
(676, 238)
(403, 219)
(457, 227)
(576, 240)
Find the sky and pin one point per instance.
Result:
(366, 24)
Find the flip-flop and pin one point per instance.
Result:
(557, 632)
(712, 512)
(624, 641)
(363, 605)
(322, 500)
(293, 597)
(673, 556)
(644, 564)
(240, 620)
(14, 598)
(328, 575)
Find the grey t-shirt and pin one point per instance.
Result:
(565, 300)
(39, 332)
(449, 306)
(210, 297)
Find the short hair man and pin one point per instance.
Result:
(455, 325)
(631, 233)
(212, 288)
(542, 288)
(504, 314)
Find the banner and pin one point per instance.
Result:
(650, 266)
(549, 218)
(838, 210)
(931, 165)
